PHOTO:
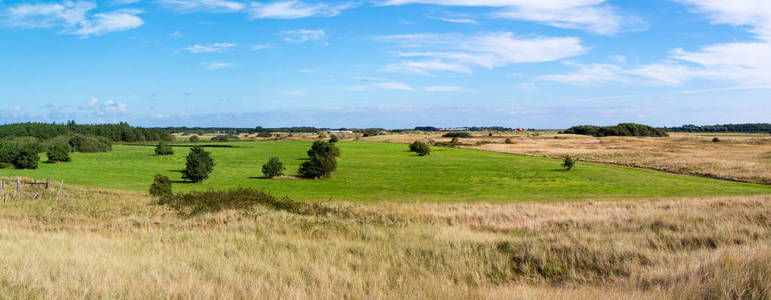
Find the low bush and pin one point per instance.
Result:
(715, 140)
(458, 134)
(8, 152)
(420, 148)
(163, 148)
(273, 168)
(568, 163)
(58, 153)
(28, 157)
(161, 186)
(333, 139)
(264, 134)
(225, 138)
(195, 139)
(89, 144)
(5, 165)
(193, 203)
(508, 141)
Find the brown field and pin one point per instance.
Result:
(111, 244)
(739, 157)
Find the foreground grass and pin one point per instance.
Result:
(373, 172)
(96, 244)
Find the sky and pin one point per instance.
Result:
(386, 63)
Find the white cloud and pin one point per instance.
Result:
(456, 52)
(422, 67)
(303, 35)
(590, 15)
(295, 9)
(210, 48)
(454, 20)
(204, 5)
(446, 89)
(73, 18)
(216, 65)
(104, 107)
(258, 47)
(753, 13)
(176, 34)
(376, 83)
(592, 74)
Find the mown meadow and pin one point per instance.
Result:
(372, 172)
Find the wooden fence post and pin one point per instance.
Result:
(48, 182)
(60, 190)
(1, 186)
(18, 187)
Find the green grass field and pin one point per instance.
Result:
(369, 172)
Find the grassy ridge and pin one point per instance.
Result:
(369, 172)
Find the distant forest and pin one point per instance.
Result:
(750, 127)
(121, 132)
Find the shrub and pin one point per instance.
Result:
(490, 134)
(457, 134)
(5, 165)
(333, 139)
(264, 134)
(198, 165)
(161, 186)
(420, 148)
(225, 138)
(163, 148)
(273, 168)
(508, 141)
(8, 152)
(195, 139)
(28, 157)
(715, 140)
(323, 160)
(58, 153)
(193, 203)
(89, 144)
(568, 163)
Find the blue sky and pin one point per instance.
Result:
(386, 63)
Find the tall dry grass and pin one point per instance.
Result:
(104, 244)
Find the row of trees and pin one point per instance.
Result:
(24, 152)
(623, 129)
(749, 127)
(121, 132)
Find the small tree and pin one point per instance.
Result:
(28, 157)
(58, 153)
(163, 148)
(323, 160)
(420, 148)
(568, 163)
(198, 165)
(161, 186)
(273, 168)
(508, 141)
(333, 139)
(8, 152)
(195, 139)
(715, 140)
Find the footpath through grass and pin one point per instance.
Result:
(369, 172)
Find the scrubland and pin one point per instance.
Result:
(116, 244)
(738, 157)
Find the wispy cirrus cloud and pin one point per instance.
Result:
(203, 5)
(296, 9)
(72, 17)
(216, 65)
(590, 15)
(458, 53)
(210, 48)
(303, 35)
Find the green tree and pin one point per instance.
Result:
(323, 160)
(333, 139)
(163, 148)
(195, 139)
(58, 153)
(8, 152)
(421, 148)
(161, 186)
(568, 163)
(273, 168)
(198, 165)
(28, 157)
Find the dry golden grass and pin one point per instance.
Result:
(739, 157)
(111, 244)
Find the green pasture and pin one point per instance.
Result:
(369, 172)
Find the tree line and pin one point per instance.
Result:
(623, 129)
(748, 127)
(121, 132)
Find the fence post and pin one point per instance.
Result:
(1, 186)
(60, 190)
(48, 182)
(18, 187)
